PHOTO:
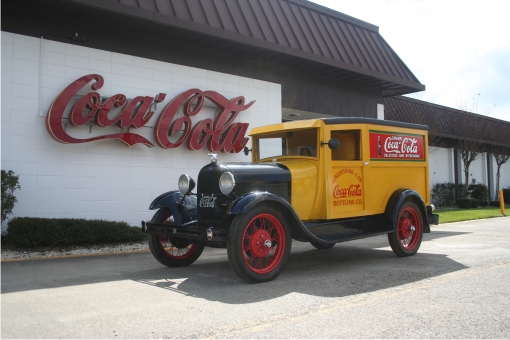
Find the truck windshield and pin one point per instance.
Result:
(301, 143)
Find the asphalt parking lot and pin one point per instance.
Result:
(457, 286)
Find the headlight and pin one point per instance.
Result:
(186, 184)
(227, 183)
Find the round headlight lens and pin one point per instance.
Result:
(186, 184)
(227, 183)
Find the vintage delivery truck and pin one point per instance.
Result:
(321, 181)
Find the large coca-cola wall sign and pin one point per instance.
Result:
(219, 135)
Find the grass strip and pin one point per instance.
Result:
(447, 215)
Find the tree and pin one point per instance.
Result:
(469, 143)
(9, 185)
(501, 156)
(468, 157)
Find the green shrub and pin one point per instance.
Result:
(34, 232)
(460, 191)
(506, 196)
(10, 182)
(445, 194)
(464, 203)
(475, 203)
(478, 192)
(494, 203)
(484, 203)
(442, 194)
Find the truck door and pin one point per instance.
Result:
(346, 189)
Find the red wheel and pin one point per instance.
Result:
(177, 249)
(409, 226)
(406, 240)
(259, 244)
(172, 251)
(263, 243)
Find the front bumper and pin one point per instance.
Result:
(188, 231)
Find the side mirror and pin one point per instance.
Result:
(246, 150)
(333, 143)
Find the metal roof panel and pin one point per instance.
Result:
(448, 122)
(294, 27)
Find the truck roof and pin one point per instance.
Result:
(331, 121)
(361, 120)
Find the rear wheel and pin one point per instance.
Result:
(172, 251)
(406, 239)
(259, 244)
(320, 245)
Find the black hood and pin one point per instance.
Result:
(250, 177)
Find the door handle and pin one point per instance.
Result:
(366, 163)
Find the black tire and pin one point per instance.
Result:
(406, 239)
(322, 246)
(259, 245)
(171, 251)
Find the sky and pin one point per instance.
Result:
(459, 49)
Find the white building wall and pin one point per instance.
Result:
(440, 166)
(104, 179)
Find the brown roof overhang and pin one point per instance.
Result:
(449, 123)
(300, 33)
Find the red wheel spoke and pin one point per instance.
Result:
(264, 224)
(272, 229)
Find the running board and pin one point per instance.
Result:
(354, 235)
(343, 230)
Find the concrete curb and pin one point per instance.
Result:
(74, 256)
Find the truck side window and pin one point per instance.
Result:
(350, 146)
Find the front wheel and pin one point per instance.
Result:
(406, 239)
(172, 251)
(259, 244)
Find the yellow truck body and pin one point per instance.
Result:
(359, 177)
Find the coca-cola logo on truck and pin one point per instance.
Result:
(220, 134)
(396, 146)
(347, 185)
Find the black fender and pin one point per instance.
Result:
(183, 208)
(397, 199)
(298, 229)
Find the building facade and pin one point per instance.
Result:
(105, 179)
(106, 103)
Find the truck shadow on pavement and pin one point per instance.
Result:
(344, 270)
(347, 269)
